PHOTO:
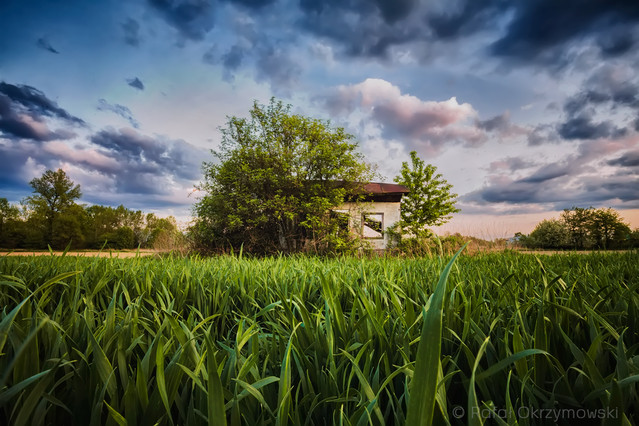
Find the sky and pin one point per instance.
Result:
(526, 107)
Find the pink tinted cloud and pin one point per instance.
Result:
(422, 125)
(89, 157)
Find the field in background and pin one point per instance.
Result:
(315, 341)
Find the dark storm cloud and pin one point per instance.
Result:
(543, 25)
(44, 44)
(629, 159)
(131, 29)
(365, 28)
(550, 172)
(575, 180)
(193, 19)
(120, 164)
(139, 158)
(609, 91)
(24, 111)
(395, 10)
(608, 84)
(120, 110)
(33, 100)
(537, 29)
(582, 127)
(616, 42)
(468, 17)
(136, 83)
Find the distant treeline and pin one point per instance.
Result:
(51, 217)
(582, 229)
(90, 227)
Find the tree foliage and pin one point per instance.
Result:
(430, 201)
(55, 192)
(551, 233)
(582, 228)
(274, 180)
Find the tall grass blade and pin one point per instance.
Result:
(423, 390)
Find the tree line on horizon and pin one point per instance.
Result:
(580, 228)
(50, 217)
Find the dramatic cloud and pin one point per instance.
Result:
(428, 125)
(131, 29)
(611, 92)
(43, 43)
(544, 27)
(268, 55)
(467, 18)
(536, 29)
(589, 177)
(35, 101)
(116, 165)
(23, 114)
(136, 83)
(193, 19)
(582, 127)
(147, 165)
(120, 110)
(629, 159)
(364, 28)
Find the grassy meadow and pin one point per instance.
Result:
(497, 338)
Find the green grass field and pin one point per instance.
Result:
(508, 338)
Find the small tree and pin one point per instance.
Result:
(55, 192)
(429, 202)
(550, 234)
(276, 177)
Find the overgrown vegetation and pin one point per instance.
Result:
(275, 179)
(582, 229)
(300, 340)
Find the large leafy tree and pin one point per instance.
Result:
(274, 180)
(54, 192)
(430, 201)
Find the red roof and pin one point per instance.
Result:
(385, 188)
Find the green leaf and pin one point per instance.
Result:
(423, 387)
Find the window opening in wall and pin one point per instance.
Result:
(373, 225)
